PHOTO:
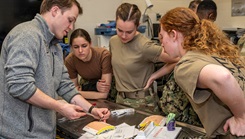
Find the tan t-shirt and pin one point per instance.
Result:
(133, 62)
(211, 111)
(99, 64)
(241, 44)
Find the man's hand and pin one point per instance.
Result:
(71, 111)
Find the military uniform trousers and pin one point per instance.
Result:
(142, 100)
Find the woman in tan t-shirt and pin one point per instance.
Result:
(210, 71)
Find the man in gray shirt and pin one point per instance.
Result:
(33, 75)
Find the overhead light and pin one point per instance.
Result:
(148, 3)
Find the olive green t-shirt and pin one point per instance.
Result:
(211, 111)
(133, 62)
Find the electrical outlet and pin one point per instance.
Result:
(158, 16)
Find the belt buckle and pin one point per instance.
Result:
(141, 94)
(123, 95)
(136, 94)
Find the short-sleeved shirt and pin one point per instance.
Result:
(212, 112)
(241, 44)
(133, 62)
(99, 64)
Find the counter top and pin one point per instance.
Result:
(74, 128)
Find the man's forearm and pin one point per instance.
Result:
(44, 101)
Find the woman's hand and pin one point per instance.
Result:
(149, 82)
(103, 87)
(236, 126)
(101, 113)
(78, 88)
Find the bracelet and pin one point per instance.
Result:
(90, 109)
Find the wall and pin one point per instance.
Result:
(224, 19)
(100, 11)
(94, 13)
(159, 6)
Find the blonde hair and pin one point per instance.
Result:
(203, 36)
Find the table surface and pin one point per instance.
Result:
(74, 128)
